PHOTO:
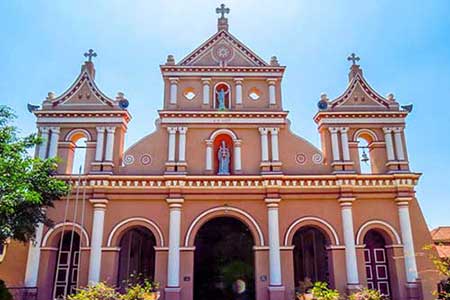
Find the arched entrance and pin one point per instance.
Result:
(310, 257)
(137, 255)
(376, 262)
(224, 261)
(67, 263)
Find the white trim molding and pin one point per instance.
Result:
(305, 219)
(394, 232)
(133, 219)
(69, 226)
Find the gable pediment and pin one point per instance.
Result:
(223, 49)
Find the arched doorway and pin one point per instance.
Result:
(376, 262)
(224, 261)
(137, 255)
(67, 264)
(310, 257)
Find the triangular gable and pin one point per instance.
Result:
(83, 92)
(359, 95)
(223, 49)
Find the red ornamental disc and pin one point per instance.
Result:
(300, 158)
(146, 159)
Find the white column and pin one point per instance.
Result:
(95, 259)
(237, 156)
(182, 144)
(209, 150)
(33, 260)
(389, 145)
(272, 91)
(100, 143)
(399, 143)
(173, 263)
(334, 143)
(173, 90)
(109, 143)
(54, 139)
(407, 238)
(344, 143)
(274, 242)
(274, 142)
(349, 240)
(264, 144)
(43, 147)
(206, 90)
(171, 152)
(238, 89)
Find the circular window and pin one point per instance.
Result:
(189, 93)
(254, 94)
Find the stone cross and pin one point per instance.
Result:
(353, 58)
(222, 10)
(90, 54)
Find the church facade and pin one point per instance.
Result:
(223, 198)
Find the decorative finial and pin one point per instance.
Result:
(170, 60)
(274, 61)
(353, 58)
(90, 54)
(222, 10)
(222, 22)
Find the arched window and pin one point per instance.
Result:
(137, 255)
(222, 96)
(77, 152)
(310, 257)
(79, 156)
(376, 262)
(67, 264)
(365, 162)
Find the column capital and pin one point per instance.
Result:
(403, 201)
(274, 130)
(99, 204)
(387, 129)
(55, 129)
(346, 201)
(44, 129)
(238, 80)
(175, 202)
(333, 129)
(272, 202)
(237, 143)
(182, 130)
(110, 129)
(263, 130)
(174, 80)
(172, 130)
(271, 81)
(101, 129)
(209, 143)
(343, 129)
(206, 80)
(397, 129)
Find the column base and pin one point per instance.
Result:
(414, 290)
(276, 292)
(352, 288)
(172, 293)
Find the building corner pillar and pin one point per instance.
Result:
(173, 290)
(42, 150)
(33, 259)
(276, 288)
(349, 241)
(54, 140)
(98, 220)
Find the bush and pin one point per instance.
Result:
(99, 291)
(321, 291)
(367, 294)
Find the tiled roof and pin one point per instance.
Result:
(443, 251)
(441, 234)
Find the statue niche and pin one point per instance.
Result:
(222, 96)
(223, 146)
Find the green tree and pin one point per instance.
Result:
(27, 187)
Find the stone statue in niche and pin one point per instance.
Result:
(221, 98)
(223, 156)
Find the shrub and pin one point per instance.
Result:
(367, 294)
(321, 291)
(99, 291)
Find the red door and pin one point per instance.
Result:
(376, 262)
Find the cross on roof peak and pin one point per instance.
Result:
(90, 54)
(353, 58)
(222, 10)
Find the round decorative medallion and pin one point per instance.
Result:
(128, 160)
(300, 158)
(317, 158)
(223, 52)
(146, 159)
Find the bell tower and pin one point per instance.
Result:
(361, 131)
(83, 112)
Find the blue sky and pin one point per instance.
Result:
(404, 48)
